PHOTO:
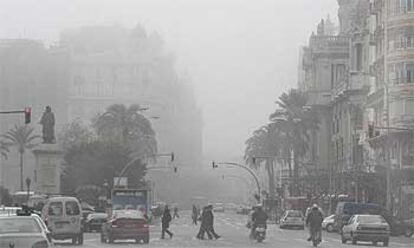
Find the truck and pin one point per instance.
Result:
(131, 199)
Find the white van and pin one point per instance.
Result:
(62, 216)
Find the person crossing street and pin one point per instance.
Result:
(165, 223)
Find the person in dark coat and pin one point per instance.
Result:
(314, 220)
(165, 223)
(176, 213)
(194, 215)
(207, 224)
(203, 226)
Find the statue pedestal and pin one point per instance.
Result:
(48, 168)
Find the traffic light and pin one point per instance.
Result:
(27, 115)
(254, 160)
(370, 130)
(172, 157)
(214, 165)
(175, 169)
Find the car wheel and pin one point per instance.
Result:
(146, 240)
(354, 240)
(329, 228)
(374, 243)
(74, 239)
(110, 240)
(281, 227)
(408, 232)
(343, 239)
(386, 242)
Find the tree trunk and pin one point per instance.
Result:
(271, 174)
(21, 172)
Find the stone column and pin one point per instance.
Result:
(49, 158)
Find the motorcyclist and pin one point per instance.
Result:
(314, 221)
(259, 217)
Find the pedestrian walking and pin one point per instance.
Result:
(203, 225)
(165, 222)
(207, 224)
(194, 215)
(176, 213)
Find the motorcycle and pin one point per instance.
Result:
(260, 233)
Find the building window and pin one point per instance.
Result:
(407, 5)
(358, 56)
(410, 73)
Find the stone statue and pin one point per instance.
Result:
(48, 123)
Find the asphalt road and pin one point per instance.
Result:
(234, 234)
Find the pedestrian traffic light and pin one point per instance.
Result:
(27, 115)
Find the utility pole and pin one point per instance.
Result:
(387, 147)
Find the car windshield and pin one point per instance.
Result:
(129, 214)
(19, 225)
(97, 216)
(294, 214)
(370, 219)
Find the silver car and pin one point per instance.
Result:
(292, 218)
(372, 228)
(23, 231)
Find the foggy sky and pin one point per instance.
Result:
(240, 54)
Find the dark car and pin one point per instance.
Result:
(23, 231)
(94, 222)
(124, 225)
(399, 227)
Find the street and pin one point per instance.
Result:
(234, 234)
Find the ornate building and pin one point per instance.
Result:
(361, 81)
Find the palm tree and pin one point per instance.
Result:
(263, 146)
(4, 149)
(22, 138)
(296, 122)
(127, 126)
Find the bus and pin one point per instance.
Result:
(20, 198)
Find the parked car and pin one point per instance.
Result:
(399, 227)
(94, 222)
(63, 217)
(372, 228)
(328, 223)
(345, 210)
(243, 210)
(292, 218)
(125, 224)
(9, 211)
(218, 207)
(24, 231)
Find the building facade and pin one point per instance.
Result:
(89, 69)
(361, 80)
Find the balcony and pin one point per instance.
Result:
(401, 17)
(357, 81)
(329, 44)
(375, 7)
(318, 97)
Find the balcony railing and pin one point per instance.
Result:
(329, 42)
(356, 81)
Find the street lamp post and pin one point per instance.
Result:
(215, 165)
(138, 158)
